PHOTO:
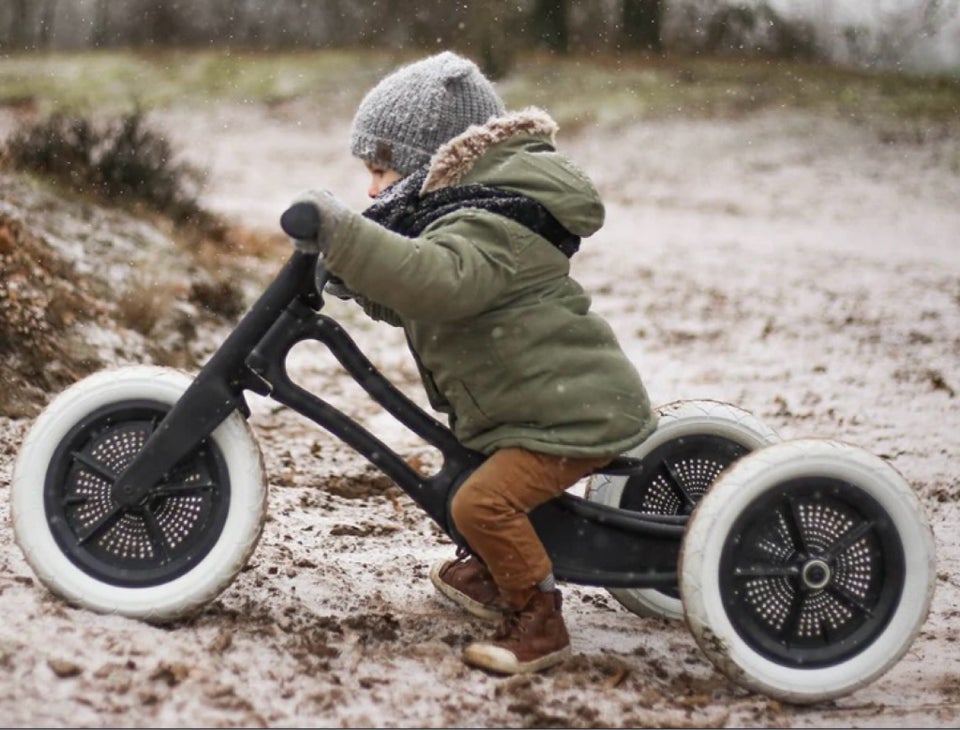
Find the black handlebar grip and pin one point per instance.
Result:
(301, 221)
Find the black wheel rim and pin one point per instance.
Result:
(675, 476)
(812, 572)
(153, 542)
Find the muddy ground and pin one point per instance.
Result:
(804, 268)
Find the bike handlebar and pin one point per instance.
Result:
(301, 221)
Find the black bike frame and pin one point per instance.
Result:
(589, 543)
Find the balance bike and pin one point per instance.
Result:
(804, 569)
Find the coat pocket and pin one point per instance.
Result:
(470, 417)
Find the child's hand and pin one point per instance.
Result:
(340, 290)
(330, 210)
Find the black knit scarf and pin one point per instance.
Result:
(403, 210)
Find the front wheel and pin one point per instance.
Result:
(163, 557)
(807, 571)
(694, 442)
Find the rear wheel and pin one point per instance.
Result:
(808, 570)
(694, 442)
(163, 557)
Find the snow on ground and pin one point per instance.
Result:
(806, 269)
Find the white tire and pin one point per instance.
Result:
(807, 570)
(727, 431)
(181, 548)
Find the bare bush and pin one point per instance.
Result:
(47, 300)
(120, 161)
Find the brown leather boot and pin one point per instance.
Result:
(467, 582)
(529, 640)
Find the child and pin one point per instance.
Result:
(466, 246)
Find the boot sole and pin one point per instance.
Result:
(462, 599)
(500, 660)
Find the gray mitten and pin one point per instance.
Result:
(331, 211)
(337, 288)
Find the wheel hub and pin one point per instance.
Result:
(815, 574)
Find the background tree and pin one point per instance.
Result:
(640, 23)
(488, 35)
(99, 35)
(549, 24)
(904, 34)
(19, 27)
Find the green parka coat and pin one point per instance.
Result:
(504, 338)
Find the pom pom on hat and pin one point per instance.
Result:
(406, 117)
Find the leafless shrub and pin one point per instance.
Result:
(45, 299)
(121, 161)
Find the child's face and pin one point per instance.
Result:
(381, 178)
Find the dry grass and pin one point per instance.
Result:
(144, 304)
(40, 297)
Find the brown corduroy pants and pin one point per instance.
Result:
(490, 511)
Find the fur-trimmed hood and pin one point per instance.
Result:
(517, 152)
(454, 159)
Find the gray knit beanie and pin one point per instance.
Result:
(406, 117)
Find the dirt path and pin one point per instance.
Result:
(804, 269)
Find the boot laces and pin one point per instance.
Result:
(463, 555)
(513, 624)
